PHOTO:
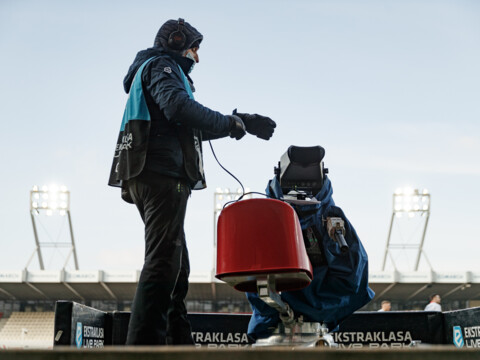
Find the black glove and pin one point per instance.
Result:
(258, 125)
(237, 127)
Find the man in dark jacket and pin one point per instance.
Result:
(158, 160)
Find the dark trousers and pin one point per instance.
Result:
(159, 315)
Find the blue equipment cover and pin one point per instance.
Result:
(340, 283)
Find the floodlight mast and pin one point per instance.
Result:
(51, 200)
(410, 202)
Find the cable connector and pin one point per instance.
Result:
(336, 231)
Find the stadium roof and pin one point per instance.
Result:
(121, 285)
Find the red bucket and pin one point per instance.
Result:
(260, 237)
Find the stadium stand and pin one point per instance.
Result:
(3, 320)
(27, 330)
(33, 293)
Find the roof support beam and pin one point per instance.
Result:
(108, 290)
(36, 289)
(455, 289)
(415, 293)
(214, 291)
(387, 289)
(69, 287)
(8, 294)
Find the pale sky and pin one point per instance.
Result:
(389, 88)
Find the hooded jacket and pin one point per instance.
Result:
(170, 143)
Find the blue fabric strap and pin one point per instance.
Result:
(136, 107)
(186, 83)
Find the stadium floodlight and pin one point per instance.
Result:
(410, 202)
(51, 200)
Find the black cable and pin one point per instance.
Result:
(255, 192)
(243, 189)
(228, 172)
(241, 197)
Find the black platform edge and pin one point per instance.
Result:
(437, 352)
